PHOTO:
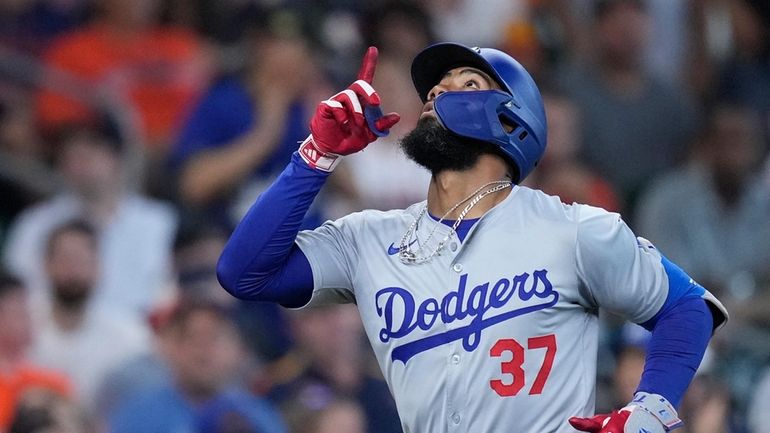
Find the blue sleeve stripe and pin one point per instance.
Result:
(680, 286)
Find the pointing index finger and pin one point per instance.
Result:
(368, 65)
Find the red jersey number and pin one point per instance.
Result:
(514, 367)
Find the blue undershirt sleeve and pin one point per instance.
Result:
(680, 334)
(260, 260)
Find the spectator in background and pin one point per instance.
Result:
(711, 216)
(24, 176)
(17, 374)
(128, 55)
(745, 78)
(550, 34)
(28, 26)
(329, 362)
(135, 234)
(261, 326)
(487, 19)
(41, 411)
(666, 50)
(204, 392)
(634, 125)
(197, 248)
(75, 336)
(144, 370)
(758, 417)
(522, 41)
(560, 172)
(323, 415)
(341, 417)
(707, 408)
(399, 29)
(630, 355)
(245, 128)
(14, 31)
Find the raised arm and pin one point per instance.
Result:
(261, 260)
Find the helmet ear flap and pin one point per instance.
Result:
(489, 115)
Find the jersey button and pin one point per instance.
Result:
(457, 268)
(455, 359)
(456, 418)
(453, 246)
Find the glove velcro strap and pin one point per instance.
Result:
(657, 406)
(316, 158)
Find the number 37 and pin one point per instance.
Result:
(514, 366)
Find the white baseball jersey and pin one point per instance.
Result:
(499, 332)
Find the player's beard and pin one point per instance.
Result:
(436, 148)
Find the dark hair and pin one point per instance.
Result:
(103, 133)
(9, 283)
(602, 7)
(77, 226)
(175, 321)
(38, 414)
(762, 9)
(32, 419)
(255, 22)
(374, 18)
(194, 228)
(178, 314)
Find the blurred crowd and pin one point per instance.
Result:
(134, 134)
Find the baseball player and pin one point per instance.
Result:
(481, 302)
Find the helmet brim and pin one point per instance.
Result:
(430, 65)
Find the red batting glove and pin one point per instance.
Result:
(647, 413)
(614, 422)
(339, 126)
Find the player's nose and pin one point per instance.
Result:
(436, 90)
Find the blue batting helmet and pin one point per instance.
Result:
(487, 115)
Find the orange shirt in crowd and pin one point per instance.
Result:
(160, 71)
(13, 385)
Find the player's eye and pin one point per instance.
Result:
(474, 84)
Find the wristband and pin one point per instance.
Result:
(316, 158)
(657, 406)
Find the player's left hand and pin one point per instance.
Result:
(637, 417)
(626, 420)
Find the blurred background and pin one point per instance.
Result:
(134, 134)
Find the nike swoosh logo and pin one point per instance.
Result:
(393, 249)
